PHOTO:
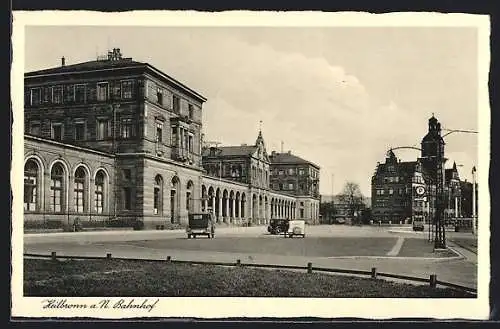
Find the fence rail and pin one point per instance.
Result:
(432, 280)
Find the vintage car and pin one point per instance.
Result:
(277, 226)
(418, 223)
(296, 227)
(200, 224)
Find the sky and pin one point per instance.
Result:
(339, 97)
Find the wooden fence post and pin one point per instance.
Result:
(169, 259)
(309, 267)
(374, 272)
(53, 255)
(238, 262)
(433, 280)
(108, 255)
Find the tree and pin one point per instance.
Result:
(352, 198)
(327, 211)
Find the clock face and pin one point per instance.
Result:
(420, 190)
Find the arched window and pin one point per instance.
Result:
(99, 192)
(57, 188)
(189, 195)
(30, 185)
(79, 190)
(158, 195)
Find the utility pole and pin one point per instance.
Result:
(439, 237)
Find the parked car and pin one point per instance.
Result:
(296, 227)
(200, 224)
(418, 224)
(277, 226)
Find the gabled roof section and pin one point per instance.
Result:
(229, 151)
(289, 158)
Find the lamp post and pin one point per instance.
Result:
(440, 235)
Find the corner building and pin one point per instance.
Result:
(405, 191)
(116, 142)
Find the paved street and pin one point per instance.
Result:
(395, 250)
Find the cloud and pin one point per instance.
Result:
(320, 111)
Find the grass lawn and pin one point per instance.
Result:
(422, 248)
(91, 278)
(469, 244)
(317, 247)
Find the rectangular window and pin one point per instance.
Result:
(191, 111)
(280, 186)
(80, 131)
(35, 96)
(102, 91)
(126, 128)
(57, 131)
(80, 93)
(126, 89)
(159, 132)
(176, 104)
(174, 140)
(301, 172)
(35, 128)
(127, 198)
(69, 94)
(190, 143)
(57, 95)
(159, 96)
(291, 171)
(290, 186)
(102, 129)
(391, 191)
(281, 172)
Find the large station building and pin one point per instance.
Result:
(116, 142)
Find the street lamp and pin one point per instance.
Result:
(440, 234)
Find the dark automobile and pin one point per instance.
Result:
(200, 224)
(277, 226)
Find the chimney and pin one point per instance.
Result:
(63, 61)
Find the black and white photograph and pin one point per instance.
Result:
(202, 165)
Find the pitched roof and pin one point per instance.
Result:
(407, 167)
(222, 151)
(109, 65)
(91, 65)
(288, 158)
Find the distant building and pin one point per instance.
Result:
(296, 176)
(404, 191)
(251, 165)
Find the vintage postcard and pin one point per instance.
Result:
(250, 164)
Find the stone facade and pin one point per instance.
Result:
(140, 132)
(404, 191)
